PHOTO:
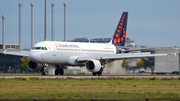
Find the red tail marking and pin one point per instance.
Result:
(119, 40)
(115, 40)
(118, 30)
(124, 35)
(117, 35)
(122, 38)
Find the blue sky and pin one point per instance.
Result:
(154, 23)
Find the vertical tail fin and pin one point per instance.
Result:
(119, 36)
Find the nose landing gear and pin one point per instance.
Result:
(44, 69)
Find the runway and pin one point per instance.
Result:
(89, 77)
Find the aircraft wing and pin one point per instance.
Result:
(122, 56)
(18, 53)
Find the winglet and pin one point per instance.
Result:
(5, 52)
(175, 53)
(172, 53)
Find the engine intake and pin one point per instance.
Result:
(34, 66)
(93, 65)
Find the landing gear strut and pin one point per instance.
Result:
(44, 72)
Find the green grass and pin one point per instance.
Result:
(115, 89)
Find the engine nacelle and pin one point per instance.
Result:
(34, 66)
(93, 65)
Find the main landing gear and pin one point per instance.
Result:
(59, 71)
(98, 73)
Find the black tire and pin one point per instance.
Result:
(61, 71)
(56, 72)
(45, 72)
(94, 73)
(99, 73)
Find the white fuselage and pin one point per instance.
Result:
(66, 53)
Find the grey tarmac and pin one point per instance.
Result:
(88, 77)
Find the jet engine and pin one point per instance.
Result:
(34, 66)
(93, 65)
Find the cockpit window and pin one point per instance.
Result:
(45, 48)
(39, 48)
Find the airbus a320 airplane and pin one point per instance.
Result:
(94, 56)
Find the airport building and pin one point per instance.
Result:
(10, 63)
(168, 63)
(10, 46)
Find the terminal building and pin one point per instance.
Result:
(11, 63)
(10, 46)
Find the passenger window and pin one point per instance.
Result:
(43, 48)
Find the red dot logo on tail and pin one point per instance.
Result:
(119, 40)
(124, 35)
(115, 40)
(117, 35)
(122, 38)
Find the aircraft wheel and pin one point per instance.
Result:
(42, 73)
(56, 72)
(99, 73)
(94, 73)
(61, 71)
(45, 72)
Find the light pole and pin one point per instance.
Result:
(20, 4)
(32, 25)
(52, 4)
(65, 4)
(45, 34)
